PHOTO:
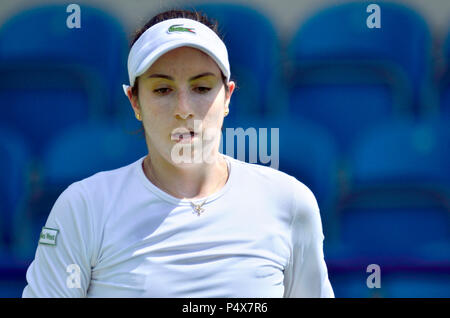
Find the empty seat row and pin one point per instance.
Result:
(334, 71)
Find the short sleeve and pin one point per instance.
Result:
(62, 266)
(306, 275)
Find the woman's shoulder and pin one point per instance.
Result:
(99, 186)
(259, 171)
(110, 178)
(268, 174)
(276, 180)
(307, 221)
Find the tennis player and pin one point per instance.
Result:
(185, 220)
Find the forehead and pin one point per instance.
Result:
(184, 59)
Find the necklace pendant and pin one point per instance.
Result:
(199, 211)
(198, 208)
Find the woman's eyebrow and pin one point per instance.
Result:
(172, 79)
(201, 75)
(162, 76)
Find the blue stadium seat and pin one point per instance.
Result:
(255, 63)
(444, 81)
(444, 109)
(14, 189)
(404, 150)
(305, 151)
(347, 77)
(75, 154)
(98, 48)
(398, 209)
(89, 148)
(424, 284)
(12, 288)
(44, 99)
(14, 158)
(394, 283)
(352, 284)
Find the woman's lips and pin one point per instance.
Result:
(184, 137)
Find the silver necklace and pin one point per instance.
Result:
(198, 208)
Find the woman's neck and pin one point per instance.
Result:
(196, 181)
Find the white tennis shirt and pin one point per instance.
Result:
(259, 236)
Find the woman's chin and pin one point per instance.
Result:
(190, 158)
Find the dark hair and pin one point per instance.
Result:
(173, 14)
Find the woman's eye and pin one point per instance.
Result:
(162, 91)
(202, 90)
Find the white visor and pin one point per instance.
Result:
(171, 34)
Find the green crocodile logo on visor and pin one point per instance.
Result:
(179, 28)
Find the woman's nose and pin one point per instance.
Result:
(183, 108)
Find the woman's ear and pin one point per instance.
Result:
(231, 87)
(134, 101)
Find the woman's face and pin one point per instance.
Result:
(183, 91)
